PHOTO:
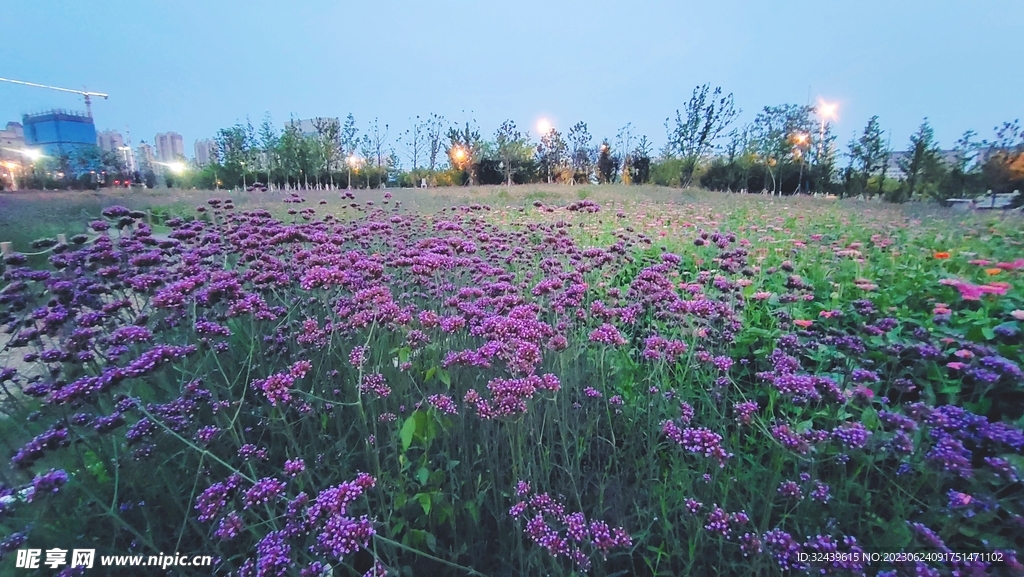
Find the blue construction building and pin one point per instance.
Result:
(59, 133)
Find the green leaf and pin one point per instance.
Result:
(425, 502)
(407, 432)
(950, 388)
(869, 418)
(432, 542)
(431, 372)
(95, 466)
(445, 377)
(422, 475)
(968, 531)
(403, 354)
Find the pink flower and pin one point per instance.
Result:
(956, 366)
(1018, 314)
(1019, 263)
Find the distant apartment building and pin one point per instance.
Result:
(308, 126)
(169, 147)
(205, 151)
(110, 140)
(900, 158)
(146, 157)
(58, 133)
(12, 139)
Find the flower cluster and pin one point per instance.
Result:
(564, 534)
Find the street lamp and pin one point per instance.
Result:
(801, 138)
(460, 155)
(31, 154)
(352, 162)
(544, 126)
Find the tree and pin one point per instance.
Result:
(869, 154)
(642, 161)
(434, 133)
(581, 153)
(551, 152)
(378, 147)
(367, 152)
(962, 179)
(706, 119)
(414, 140)
(328, 133)
(607, 164)
(269, 142)
(234, 151)
(464, 148)
(778, 138)
(1003, 168)
(921, 165)
(624, 142)
(512, 146)
(349, 143)
(291, 152)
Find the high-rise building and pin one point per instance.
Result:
(110, 140)
(12, 139)
(169, 147)
(145, 156)
(59, 133)
(205, 151)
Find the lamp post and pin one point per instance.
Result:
(351, 162)
(544, 127)
(800, 139)
(825, 110)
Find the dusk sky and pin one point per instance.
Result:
(193, 66)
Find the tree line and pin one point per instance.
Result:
(785, 149)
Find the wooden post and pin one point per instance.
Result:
(62, 238)
(5, 248)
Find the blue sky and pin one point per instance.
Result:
(193, 66)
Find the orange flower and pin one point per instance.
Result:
(803, 323)
(993, 271)
(942, 255)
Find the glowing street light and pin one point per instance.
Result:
(544, 126)
(177, 167)
(459, 155)
(31, 154)
(827, 111)
(353, 162)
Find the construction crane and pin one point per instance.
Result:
(88, 95)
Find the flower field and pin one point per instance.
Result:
(607, 385)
